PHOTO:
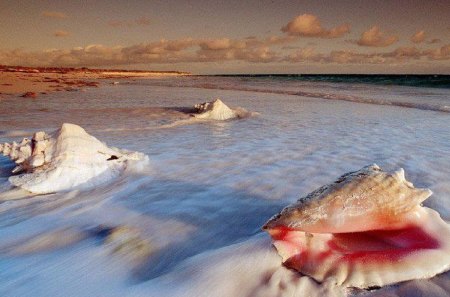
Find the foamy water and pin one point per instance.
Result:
(209, 186)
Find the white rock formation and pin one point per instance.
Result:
(65, 159)
(217, 110)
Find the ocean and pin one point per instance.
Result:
(210, 186)
(411, 80)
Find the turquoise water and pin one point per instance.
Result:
(425, 80)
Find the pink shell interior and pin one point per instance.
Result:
(366, 247)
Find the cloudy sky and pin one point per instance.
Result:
(234, 36)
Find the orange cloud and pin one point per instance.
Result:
(418, 37)
(61, 33)
(142, 21)
(54, 14)
(251, 50)
(116, 23)
(334, 57)
(434, 40)
(351, 57)
(164, 51)
(217, 44)
(399, 55)
(374, 37)
(442, 53)
(307, 54)
(309, 25)
(403, 54)
(257, 55)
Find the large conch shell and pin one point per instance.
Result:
(367, 229)
(65, 159)
(217, 110)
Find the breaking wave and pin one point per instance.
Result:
(327, 96)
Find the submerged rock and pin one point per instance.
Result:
(29, 95)
(65, 159)
(367, 229)
(129, 243)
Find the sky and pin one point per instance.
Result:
(234, 36)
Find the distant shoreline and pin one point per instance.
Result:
(32, 82)
(65, 70)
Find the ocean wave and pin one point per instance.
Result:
(411, 80)
(15, 133)
(319, 95)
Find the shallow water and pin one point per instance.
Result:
(210, 185)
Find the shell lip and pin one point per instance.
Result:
(373, 247)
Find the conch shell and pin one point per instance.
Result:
(65, 159)
(366, 229)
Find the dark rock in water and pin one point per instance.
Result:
(70, 89)
(126, 242)
(29, 95)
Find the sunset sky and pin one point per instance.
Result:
(210, 37)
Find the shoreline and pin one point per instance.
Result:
(32, 82)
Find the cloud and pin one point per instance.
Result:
(116, 23)
(291, 47)
(418, 37)
(396, 56)
(61, 33)
(221, 50)
(307, 54)
(351, 57)
(403, 54)
(141, 21)
(309, 25)
(54, 14)
(163, 51)
(257, 55)
(265, 42)
(250, 49)
(374, 37)
(247, 42)
(220, 44)
(434, 41)
(442, 53)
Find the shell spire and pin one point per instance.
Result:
(343, 204)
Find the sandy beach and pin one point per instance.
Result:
(35, 82)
